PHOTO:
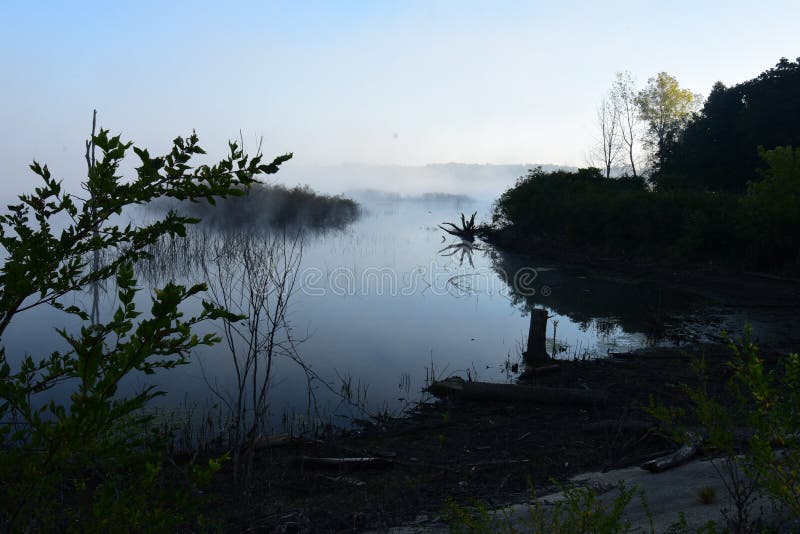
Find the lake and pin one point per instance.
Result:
(391, 301)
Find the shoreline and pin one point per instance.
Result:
(494, 452)
(403, 471)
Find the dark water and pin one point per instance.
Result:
(389, 301)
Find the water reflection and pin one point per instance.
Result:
(464, 249)
(388, 300)
(604, 307)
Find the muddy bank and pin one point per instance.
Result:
(492, 451)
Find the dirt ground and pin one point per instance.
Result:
(496, 452)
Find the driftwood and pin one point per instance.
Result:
(769, 276)
(679, 457)
(671, 353)
(541, 370)
(361, 461)
(367, 462)
(486, 391)
(614, 425)
(498, 463)
(779, 305)
(347, 480)
(466, 231)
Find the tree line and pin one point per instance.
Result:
(678, 139)
(703, 181)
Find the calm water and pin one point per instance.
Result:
(390, 300)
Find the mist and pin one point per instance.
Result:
(480, 182)
(266, 205)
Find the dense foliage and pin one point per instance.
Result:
(74, 453)
(718, 149)
(756, 432)
(623, 217)
(619, 216)
(665, 107)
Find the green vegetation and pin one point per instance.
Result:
(719, 148)
(665, 108)
(625, 218)
(615, 216)
(722, 185)
(579, 512)
(752, 433)
(754, 430)
(92, 460)
(707, 495)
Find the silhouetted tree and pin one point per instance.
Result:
(719, 147)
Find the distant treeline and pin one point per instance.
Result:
(375, 195)
(729, 189)
(275, 205)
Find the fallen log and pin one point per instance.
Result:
(485, 391)
(539, 371)
(770, 305)
(614, 425)
(466, 231)
(679, 457)
(769, 276)
(363, 461)
(498, 463)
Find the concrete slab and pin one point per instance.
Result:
(667, 495)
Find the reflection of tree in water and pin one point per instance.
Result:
(465, 248)
(271, 205)
(461, 283)
(606, 328)
(609, 307)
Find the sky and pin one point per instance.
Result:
(386, 83)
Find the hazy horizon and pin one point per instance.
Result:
(413, 83)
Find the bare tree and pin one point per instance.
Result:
(623, 95)
(254, 276)
(609, 144)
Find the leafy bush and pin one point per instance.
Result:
(718, 149)
(622, 217)
(618, 216)
(92, 460)
(773, 208)
(580, 512)
(756, 430)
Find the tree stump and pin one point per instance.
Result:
(536, 354)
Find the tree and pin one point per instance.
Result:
(719, 147)
(623, 96)
(57, 459)
(666, 108)
(254, 275)
(609, 145)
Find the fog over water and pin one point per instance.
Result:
(387, 299)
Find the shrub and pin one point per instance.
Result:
(68, 465)
(756, 430)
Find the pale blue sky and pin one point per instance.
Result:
(371, 82)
